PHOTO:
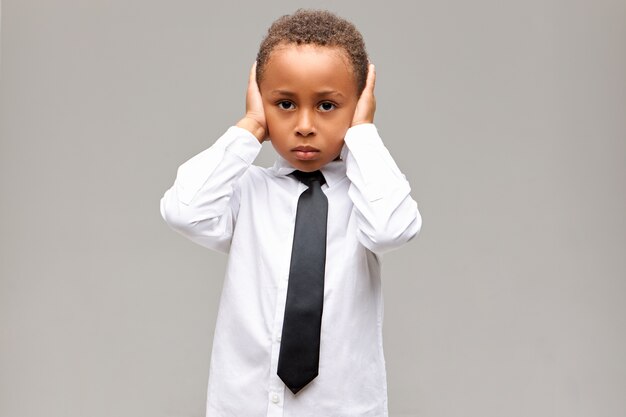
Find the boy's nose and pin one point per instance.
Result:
(305, 125)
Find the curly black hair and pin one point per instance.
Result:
(317, 27)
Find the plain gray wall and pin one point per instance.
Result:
(508, 118)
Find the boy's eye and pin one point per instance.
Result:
(286, 105)
(326, 106)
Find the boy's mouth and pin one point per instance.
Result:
(305, 153)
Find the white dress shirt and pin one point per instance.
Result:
(223, 202)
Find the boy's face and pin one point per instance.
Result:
(309, 96)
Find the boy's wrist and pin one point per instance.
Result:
(253, 127)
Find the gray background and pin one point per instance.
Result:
(507, 117)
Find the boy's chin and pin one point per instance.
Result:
(306, 166)
(303, 164)
(310, 166)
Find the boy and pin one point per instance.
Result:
(304, 234)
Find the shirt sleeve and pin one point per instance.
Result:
(203, 203)
(387, 216)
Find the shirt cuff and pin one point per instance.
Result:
(236, 144)
(364, 135)
(370, 165)
(243, 143)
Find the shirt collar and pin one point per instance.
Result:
(333, 171)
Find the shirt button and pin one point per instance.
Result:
(275, 398)
(278, 338)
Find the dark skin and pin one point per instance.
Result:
(306, 102)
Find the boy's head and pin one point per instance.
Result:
(319, 28)
(311, 70)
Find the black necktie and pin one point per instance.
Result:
(300, 341)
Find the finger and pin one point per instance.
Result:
(371, 78)
(252, 76)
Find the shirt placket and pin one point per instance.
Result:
(276, 385)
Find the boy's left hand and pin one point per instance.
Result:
(366, 106)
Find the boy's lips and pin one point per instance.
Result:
(305, 153)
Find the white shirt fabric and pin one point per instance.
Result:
(223, 202)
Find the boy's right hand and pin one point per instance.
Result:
(254, 120)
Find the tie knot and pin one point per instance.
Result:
(308, 177)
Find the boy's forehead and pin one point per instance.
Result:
(286, 58)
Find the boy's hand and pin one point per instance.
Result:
(366, 106)
(254, 120)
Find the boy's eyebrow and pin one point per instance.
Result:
(322, 93)
(283, 93)
(329, 93)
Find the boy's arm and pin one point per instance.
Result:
(202, 204)
(387, 216)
